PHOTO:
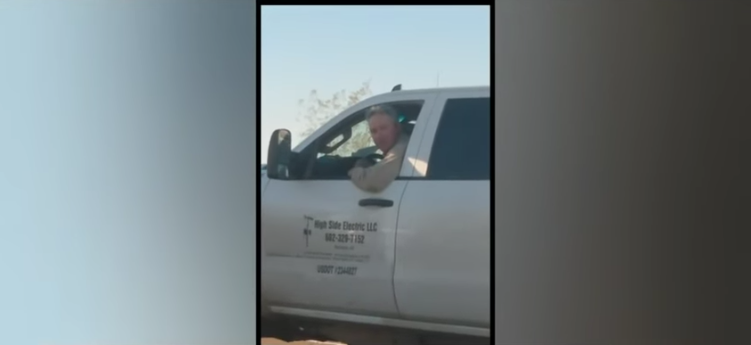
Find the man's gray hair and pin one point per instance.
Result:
(382, 109)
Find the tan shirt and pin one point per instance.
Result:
(376, 178)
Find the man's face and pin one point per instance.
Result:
(384, 130)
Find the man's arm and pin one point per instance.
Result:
(376, 178)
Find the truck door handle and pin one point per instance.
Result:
(376, 202)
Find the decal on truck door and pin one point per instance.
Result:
(337, 270)
(337, 240)
(335, 237)
(307, 232)
(342, 235)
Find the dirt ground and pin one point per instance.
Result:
(275, 341)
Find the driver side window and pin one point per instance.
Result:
(338, 151)
(360, 143)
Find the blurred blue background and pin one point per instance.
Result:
(127, 172)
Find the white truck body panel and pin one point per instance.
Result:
(443, 242)
(423, 263)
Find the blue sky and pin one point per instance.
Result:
(330, 48)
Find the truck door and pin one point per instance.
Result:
(443, 239)
(328, 246)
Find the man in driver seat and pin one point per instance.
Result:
(389, 138)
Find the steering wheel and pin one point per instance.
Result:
(373, 158)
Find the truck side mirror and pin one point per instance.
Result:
(278, 158)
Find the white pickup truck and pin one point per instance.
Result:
(414, 258)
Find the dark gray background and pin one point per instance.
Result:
(620, 137)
